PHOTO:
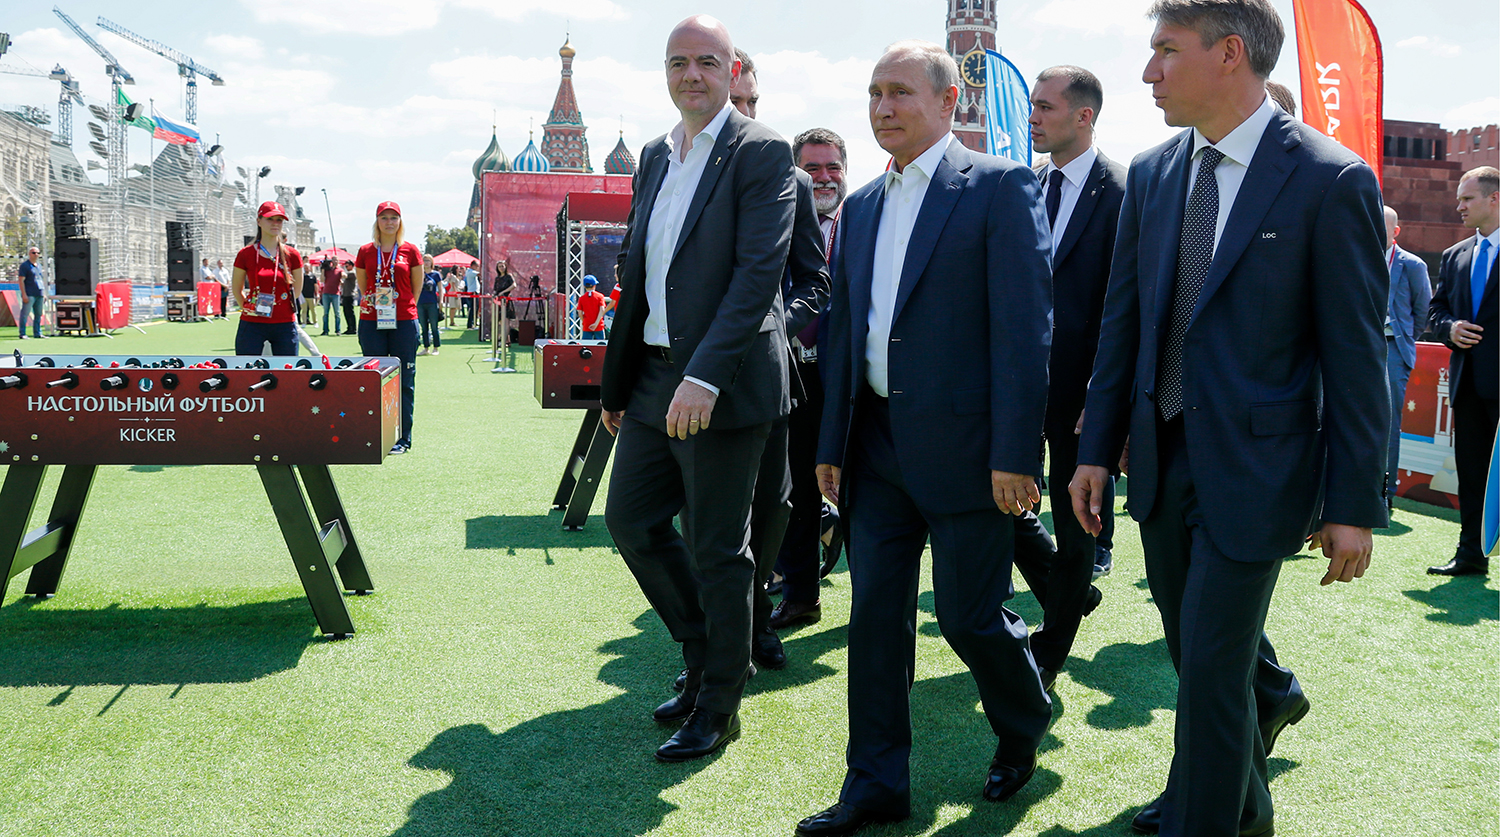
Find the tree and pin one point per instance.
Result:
(441, 241)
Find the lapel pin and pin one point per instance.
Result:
(717, 159)
(1268, 235)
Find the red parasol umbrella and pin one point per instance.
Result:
(335, 252)
(453, 258)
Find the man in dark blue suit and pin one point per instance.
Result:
(935, 377)
(1242, 355)
(1464, 316)
(1406, 317)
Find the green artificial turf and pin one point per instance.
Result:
(504, 671)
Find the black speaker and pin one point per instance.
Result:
(181, 235)
(69, 219)
(76, 266)
(182, 269)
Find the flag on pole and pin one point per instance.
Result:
(141, 122)
(1338, 51)
(176, 133)
(1007, 101)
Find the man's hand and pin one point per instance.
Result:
(828, 482)
(1087, 491)
(690, 410)
(1078, 428)
(612, 421)
(1348, 551)
(1465, 334)
(1014, 493)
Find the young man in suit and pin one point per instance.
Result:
(697, 371)
(1464, 317)
(1406, 317)
(1247, 268)
(1082, 191)
(933, 438)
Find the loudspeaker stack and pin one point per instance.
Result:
(182, 256)
(76, 256)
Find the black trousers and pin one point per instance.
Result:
(971, 558)
(1474, 421)
(769, 513)
(350, 322)
(801, 555)
(698, 581)
(1213, 612)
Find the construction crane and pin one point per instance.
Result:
(69, 94)
(186, 67)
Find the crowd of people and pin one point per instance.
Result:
(1229, 320)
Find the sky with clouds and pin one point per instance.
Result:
(394, 99)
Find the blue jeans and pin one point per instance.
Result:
(400, 343)
(331, 303)
(32, 306)
(431, 319)
(594, 335)
(252, 335)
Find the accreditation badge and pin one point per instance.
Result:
(385, 309)
(263, 304)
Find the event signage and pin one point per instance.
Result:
(1338, 51)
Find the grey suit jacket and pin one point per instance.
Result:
(1411, 292)
(723, 297)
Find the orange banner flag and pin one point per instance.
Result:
(1338, 51)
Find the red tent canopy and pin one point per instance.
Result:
(336, 252)
(453, 258)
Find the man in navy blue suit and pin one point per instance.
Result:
(1242, 355)
(1406, 317)
(934, 360)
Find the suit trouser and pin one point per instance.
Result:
(1397, 373)
(1058, 576)
(347, 303)
(769, 513)
(1213, 612)
(700, 587)
(801, 559)
(971, 557)
(1474, 421)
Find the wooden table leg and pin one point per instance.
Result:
(588, 471)
(328, 507)
(67, 510)
(17, 499)
(306, 544)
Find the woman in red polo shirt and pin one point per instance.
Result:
(266, 279)
(388, 306)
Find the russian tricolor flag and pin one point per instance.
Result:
(172, 132)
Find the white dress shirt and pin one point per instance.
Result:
(667, 216)
(904, 191)
(1494, 240)
(1074, 175)
(1238, 148)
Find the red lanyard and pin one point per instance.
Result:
(260, 250)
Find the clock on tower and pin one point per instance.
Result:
(972, 68)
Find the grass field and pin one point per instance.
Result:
(504, 671)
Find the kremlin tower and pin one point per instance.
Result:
(971, 30)
(563, 142)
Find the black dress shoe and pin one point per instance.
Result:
(788, 614)
(1460, 566)
(840, 820)
(1091, 603)
(1289, 713)
(774, 586)
(1148, 819)
(766, 650)
(677, 708)
(702, 733)
(681, 681)
(1005, 779)
(1049, 677)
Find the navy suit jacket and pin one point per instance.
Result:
(1284, 381)
(723, 294)
(1454, 300)
(1411, 293)
(969, 335)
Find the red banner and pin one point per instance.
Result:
(208, 299)
(1341, 66)
(112, 305)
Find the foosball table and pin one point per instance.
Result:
(568, 375)
(288, 417)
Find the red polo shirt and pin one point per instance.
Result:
(408, 261)
(264, 275)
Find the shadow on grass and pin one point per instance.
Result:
(534, 531)
(114, 645)
(1464, 600)
(1137, 677)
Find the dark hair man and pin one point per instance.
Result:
(1082, 190)
(744, 94)
(1405, 318)
(933, 438)
(1236, 288)
(1463, 316)
(696, 372)
(822, 154)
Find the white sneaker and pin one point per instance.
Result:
(423, 352)
(433, 352)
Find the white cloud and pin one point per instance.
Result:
(1437, 46)
(232, 47)
(391, 18)
(1486, 111)
(1094, 17)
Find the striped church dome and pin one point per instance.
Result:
(530, 160)
(620, 160)
(493, 159)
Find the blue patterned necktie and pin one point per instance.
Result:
(1479, 271)
(1195, 251)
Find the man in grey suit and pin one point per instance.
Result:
(696, 372)
(1406, 317)
(1241, 353)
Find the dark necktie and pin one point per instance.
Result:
(1054, 196)
(1195, 251)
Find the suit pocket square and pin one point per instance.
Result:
(1282, 417)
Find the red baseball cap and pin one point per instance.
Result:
(391, 205)
(271, 209)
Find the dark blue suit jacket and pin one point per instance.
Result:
(969, 337)
(1411, 293)
(1284, 383)
(1454, 300)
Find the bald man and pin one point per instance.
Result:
(1406, 317)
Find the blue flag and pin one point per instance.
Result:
(1008, 103)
